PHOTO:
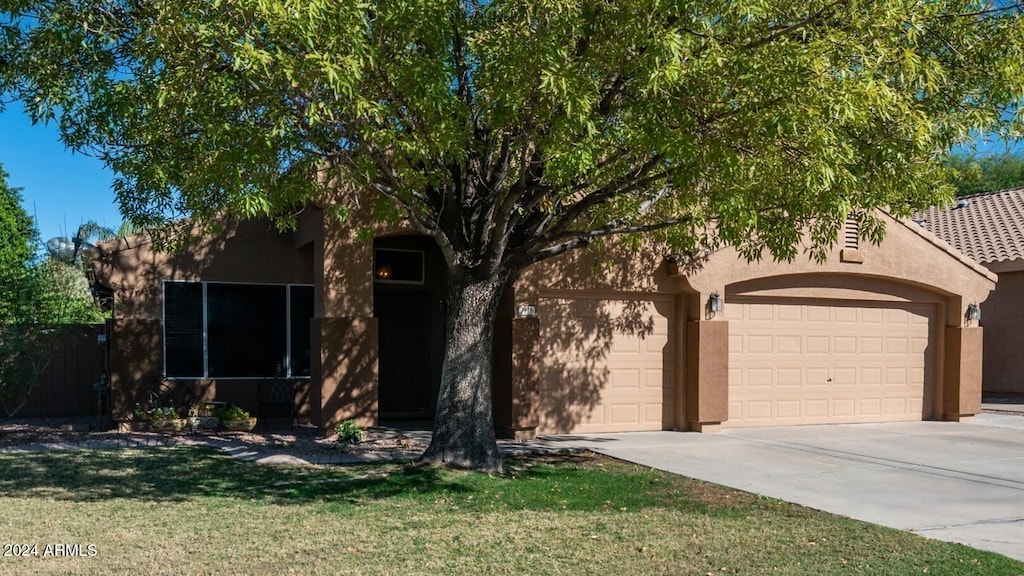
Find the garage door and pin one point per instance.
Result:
(793, 363)
(605, 364)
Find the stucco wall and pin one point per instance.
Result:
(909, 265)
(1003, 320)
(252, 252)
(248, 252)
(616, 267)
(911, 257)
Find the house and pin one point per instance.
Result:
(989, 228)
(583, 343)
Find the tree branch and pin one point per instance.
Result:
(785, 30)
(585, 237)
(625, 184)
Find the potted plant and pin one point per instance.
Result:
(140, 419)
(159, 418)
(234, 418)
(201, 417)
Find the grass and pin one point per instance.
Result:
(194, 511)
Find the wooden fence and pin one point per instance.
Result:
(66, 389)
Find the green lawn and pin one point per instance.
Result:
(195, 511)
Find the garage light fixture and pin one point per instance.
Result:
(715, 302)
(973, 312)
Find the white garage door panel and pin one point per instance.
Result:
(605, 364)
(812, 364)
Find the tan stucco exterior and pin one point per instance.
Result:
(909, 257)
(639, 285)
(1003, 320)
(135, 271)
(989, 228)
(909, 266)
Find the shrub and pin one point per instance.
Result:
(231, 413)
(349, 431)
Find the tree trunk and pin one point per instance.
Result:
(464, 425)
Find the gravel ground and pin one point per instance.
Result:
(377, 443)
(305, 444)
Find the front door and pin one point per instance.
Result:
(404, 367)
(409, 289)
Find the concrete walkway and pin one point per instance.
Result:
(960, 482)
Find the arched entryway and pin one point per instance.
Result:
(409, 294)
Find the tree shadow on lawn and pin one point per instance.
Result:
(567, 482)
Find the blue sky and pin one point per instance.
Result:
(59, 188)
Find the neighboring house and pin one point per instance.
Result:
(583, 343)
(989, 228)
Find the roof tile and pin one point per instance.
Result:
(990, 228)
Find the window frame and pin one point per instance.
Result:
(423, 267)
(288, 368)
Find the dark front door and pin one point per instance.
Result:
(404, 368)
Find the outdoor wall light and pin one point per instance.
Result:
(715, 302)
(973, 312)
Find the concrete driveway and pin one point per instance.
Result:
(961, 482)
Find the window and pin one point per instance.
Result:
(398, 266)
(222, 330)
(183, 329)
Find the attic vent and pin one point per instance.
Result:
(851, 234)
(851, 243)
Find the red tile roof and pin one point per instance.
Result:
(987, 227)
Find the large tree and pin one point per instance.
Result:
(18, 242)
(22, 355)
(513, 131)
(39, 297)
(973, 174)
